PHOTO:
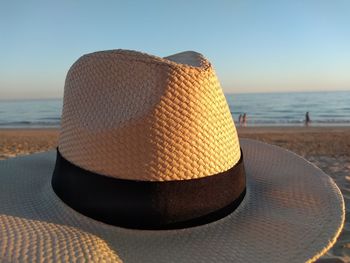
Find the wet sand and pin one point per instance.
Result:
(327, 147)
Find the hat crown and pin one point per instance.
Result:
(130, 115)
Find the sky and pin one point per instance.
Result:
(254, 46)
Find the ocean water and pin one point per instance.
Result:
(288, 109)
(30, 113)
(264, 109)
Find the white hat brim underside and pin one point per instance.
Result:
(292, 212)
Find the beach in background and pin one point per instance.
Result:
(278, 118)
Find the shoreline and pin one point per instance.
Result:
(259, 129)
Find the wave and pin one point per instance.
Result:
(51, 118)
(29, 124)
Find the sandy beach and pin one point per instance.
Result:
(327, 147)
(15, 142)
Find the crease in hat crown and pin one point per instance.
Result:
(131, 115)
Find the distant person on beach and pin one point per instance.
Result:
(307, 119)
(240, 119)
(244, 119)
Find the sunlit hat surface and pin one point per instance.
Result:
(149, 168)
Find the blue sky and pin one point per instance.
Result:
(255, 46)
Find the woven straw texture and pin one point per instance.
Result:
(135, 116)
(292, 212)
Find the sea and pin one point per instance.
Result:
(262, 109)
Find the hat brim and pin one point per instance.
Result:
(292, 212)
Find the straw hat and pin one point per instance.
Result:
(149, 168)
